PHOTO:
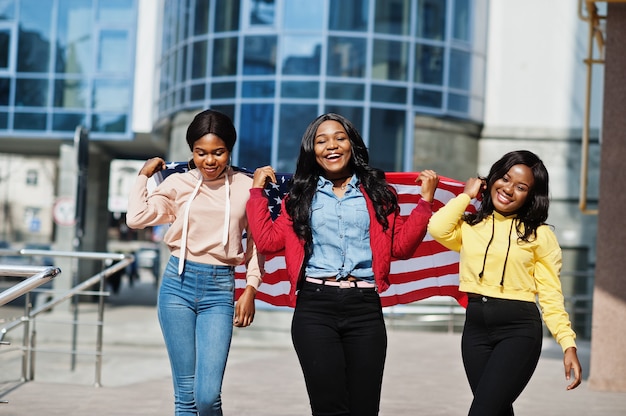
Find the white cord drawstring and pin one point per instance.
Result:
(183, 242)
(226, 208)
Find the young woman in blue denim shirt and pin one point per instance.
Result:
(340, 225)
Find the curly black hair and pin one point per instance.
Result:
(534, 212)
(304, 181)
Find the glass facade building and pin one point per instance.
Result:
(65, 63)
(274, 65)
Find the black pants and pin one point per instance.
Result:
(341, 342)
(501, 345)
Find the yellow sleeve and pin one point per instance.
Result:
(445, 224)
(549, 291)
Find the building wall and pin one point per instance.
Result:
(27, 195)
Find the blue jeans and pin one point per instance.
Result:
(340, 338)
(196, 315)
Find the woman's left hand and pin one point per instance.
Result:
(428, 180)
(571, 363)
(244, 309)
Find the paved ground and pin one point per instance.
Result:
(423, 376)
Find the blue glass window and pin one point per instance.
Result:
(461, 20)
(392, 16)
(7, 9)
(259, 55)
(226, 15)
(74, 42)
(390, 60)
(350, 15)
(115, 11)
(255, 135)
(460, 69)
(5, 41)
(197, 92)
(111, 95)
(262, 12)
(293, 89)
(5, 90)
(345, 91)
(386, 144)
(201, 14)
(427, 98)
(114, 53)
(258, 89)
(31, 92)
(70, 93)
(4, 120)
(29, 121)
(429, 64)
(199, 63)
(224, 57)
(303, 15)
(385, 94)
(34, 36)
(458, 102)
(109, 123)
(346, 57)
(293, 122)
(301, 55)
(431, 19)
(67, 121)
(223, 90)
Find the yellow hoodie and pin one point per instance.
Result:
(506, 267)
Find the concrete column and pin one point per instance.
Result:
(608, 336)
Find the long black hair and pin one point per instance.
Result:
(304, 181)
(211, 122)
(534, 212)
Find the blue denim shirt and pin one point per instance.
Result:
(341, 236)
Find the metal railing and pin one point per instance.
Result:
(28, 347)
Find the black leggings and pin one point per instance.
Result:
(341, 342)
(501, 345)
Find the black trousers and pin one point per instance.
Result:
(501, 344)
(341, 341)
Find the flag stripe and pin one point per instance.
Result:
(431, 271)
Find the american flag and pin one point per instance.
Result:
(433, 270)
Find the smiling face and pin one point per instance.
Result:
(509, 193)
(210, 156)
(333, 149)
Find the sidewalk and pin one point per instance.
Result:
(423, 376)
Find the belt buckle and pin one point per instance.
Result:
(345, 284)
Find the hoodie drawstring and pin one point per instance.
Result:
(493, 230)
(226, 208)
(183, 239)
(506, 258)
(183, 242)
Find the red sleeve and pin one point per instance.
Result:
(268, 235)
(408, 233)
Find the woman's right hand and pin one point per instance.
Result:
(262, 175)
(152, 166)
(474, 187)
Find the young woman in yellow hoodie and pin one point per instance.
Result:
(509, 259)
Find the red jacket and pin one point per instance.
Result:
(400, 240)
